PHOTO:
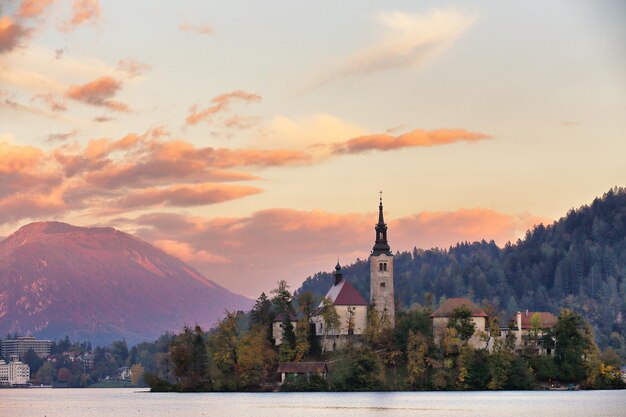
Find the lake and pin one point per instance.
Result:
(128, 402)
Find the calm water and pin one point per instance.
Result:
(124, 402)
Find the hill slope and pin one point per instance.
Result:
(100, 284)
(578, 262)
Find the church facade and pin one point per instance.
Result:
(350, 305)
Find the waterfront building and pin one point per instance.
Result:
(14, 374)
(15, 348)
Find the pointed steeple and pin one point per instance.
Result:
(381, 246)
(338, 274)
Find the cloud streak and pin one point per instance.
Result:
(197, 29)
(415, 138)
(407, 40)
(220, 104)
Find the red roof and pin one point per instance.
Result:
(344, 294)
(447, 308)
(546, 320)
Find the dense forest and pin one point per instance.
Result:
(578, 262)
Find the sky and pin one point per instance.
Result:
(251, 139)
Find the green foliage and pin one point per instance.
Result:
(461, 321)
(358, 370)
(578, 262)
(189, 355)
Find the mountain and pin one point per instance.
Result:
(578, 262)
(101, 284)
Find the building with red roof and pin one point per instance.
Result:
(447, 310)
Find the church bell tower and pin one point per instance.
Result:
(381, 272)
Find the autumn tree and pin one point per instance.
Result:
(331, 319)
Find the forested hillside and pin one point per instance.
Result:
(578, 262)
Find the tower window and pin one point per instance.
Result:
(385, 266)
(380, 267)
(380, 236)
(382, 284)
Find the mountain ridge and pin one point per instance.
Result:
(101, 284)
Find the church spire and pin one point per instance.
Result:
(381, 246)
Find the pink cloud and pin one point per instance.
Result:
(415, 138)
(187, 195)
(221, 104)
(98, 93)
(197, 29)
(132, 68)
(32, 8)
(289, 244)
(12, 34)
(83, 12)
(52, 102)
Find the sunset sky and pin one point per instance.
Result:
(251, 139)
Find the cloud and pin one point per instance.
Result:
(12, 34)
(53, 103)
(220, 104)
(32, 8)
(407, 40)
(198, 29)
(61, 137)
(187, 253)
(415, 138)
(132, 68)
(103, 119)
(83, 12)
(276, 244)
(187, 195)
(99, 93)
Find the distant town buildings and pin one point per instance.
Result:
(16, 348)
(14, 374)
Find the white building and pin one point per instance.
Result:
(15, 348)
(350, 305)
(351, 308)
(14, 373)
(441, 317)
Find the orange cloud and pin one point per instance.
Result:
(198, 29)
(276, 244)
(187, 195)
(32, 8)
(98, 93)
(84, 11)
(415, 138)
(221, 103)
(12, 34)
(187, 253)
(51, 102)
(132, 68)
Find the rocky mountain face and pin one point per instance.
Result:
(101, 284)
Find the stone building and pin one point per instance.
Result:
(381, 272)
(442, 315)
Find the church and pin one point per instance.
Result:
(351, 307)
